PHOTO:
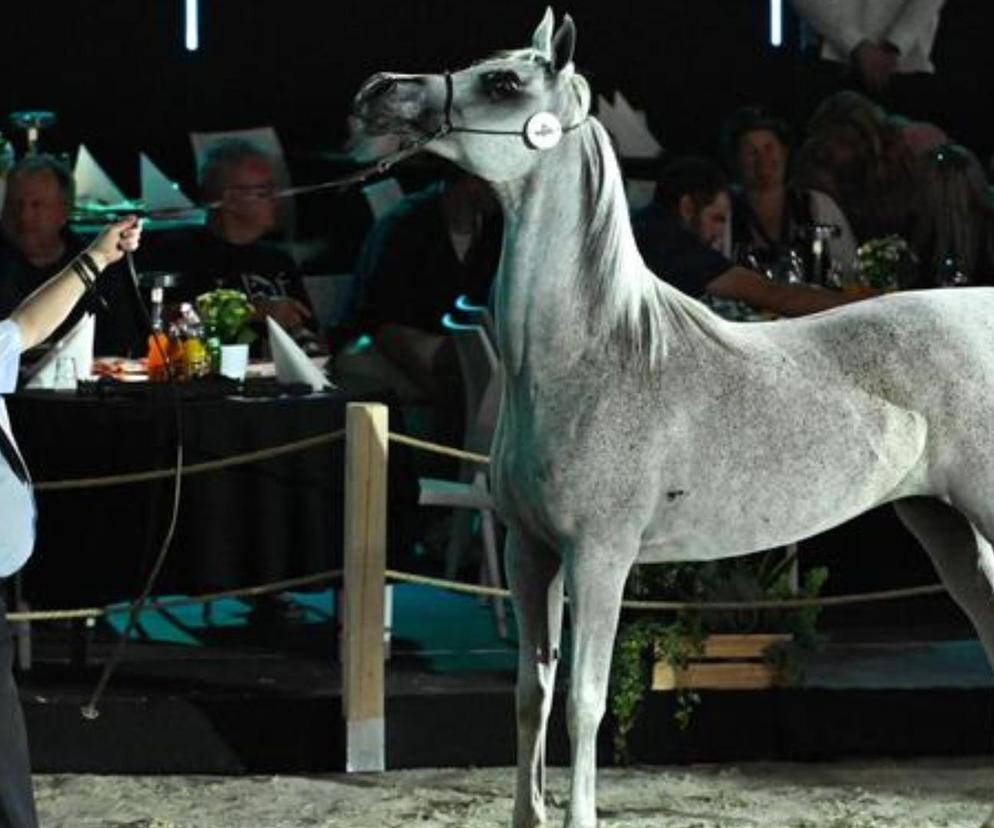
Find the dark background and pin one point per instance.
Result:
(119, 78)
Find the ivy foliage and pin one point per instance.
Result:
(678, 637)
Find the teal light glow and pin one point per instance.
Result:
(192, 25)
(776, 22)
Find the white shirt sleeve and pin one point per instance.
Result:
(915, 24)
(17, 510)
(837, 21)
(10, 355)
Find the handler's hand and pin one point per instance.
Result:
(114, 239)
(876, 65)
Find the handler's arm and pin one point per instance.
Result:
(43, 311)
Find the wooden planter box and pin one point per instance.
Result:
(730, 662)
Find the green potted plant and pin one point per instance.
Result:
(697, 648)
(227, 316)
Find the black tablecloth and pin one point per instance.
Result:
(254, 523)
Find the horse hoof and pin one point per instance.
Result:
(528, 820)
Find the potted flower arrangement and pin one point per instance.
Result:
(684, 651)
(884, 264)
(227, 315)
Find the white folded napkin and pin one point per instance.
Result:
(77, 344)
(159, 192)
(292, 364)
(92, 183)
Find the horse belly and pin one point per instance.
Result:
(775, 467)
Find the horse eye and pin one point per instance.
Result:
(501, 84)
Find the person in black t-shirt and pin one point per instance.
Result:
(433, 246)
(231, 251)
(678, 232)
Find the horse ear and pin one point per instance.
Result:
(563, 43)
(542, 39)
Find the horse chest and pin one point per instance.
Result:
(562, 462)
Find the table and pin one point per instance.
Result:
(255, 523)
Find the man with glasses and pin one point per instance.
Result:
(233, 251)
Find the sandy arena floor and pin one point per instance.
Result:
(918, 794)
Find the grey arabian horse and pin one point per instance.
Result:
(638, 426)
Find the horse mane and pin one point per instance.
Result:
(629, 305)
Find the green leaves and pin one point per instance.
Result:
(226, 314)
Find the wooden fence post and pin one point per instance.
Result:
(366, 430)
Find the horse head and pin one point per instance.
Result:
(493, 118)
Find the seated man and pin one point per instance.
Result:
(433, 246)
(231, 251)
(677, 235)
(36, 243)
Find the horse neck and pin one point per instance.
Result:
(552, 280)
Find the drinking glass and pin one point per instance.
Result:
(65, 374)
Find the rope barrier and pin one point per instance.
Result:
(407, 577)
(450, 586)
(770, 604)
(789, 603)
(169, 603)
(195, 468)
(414, 442)
(485, 591)
(243, 459)
(56, 615)
(261, 589)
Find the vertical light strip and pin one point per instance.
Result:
(776, 22)
(192, 25)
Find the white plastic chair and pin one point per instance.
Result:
(329, 294)
(483, 381)
(382, 196)
(481, 314)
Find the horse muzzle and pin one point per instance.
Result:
(389, 103)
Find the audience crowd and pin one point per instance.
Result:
(767, 221)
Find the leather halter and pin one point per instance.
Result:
(447, 125)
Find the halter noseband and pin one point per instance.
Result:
(542, 130)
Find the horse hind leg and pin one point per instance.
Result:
(535, 576)
(964, 559)
(962, 556)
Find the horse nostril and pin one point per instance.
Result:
(376, 87)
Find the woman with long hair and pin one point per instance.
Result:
(954, 229)
(777, 227)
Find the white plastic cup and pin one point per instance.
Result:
(234, 361)
(65, 374)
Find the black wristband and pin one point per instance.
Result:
(80, 269)
(91, 266)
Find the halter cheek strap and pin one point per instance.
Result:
(541, 131)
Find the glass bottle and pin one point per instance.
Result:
(158, 342)
(949, 274)
(195, 357)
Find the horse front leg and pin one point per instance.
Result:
(595, 583)
(535, 576)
